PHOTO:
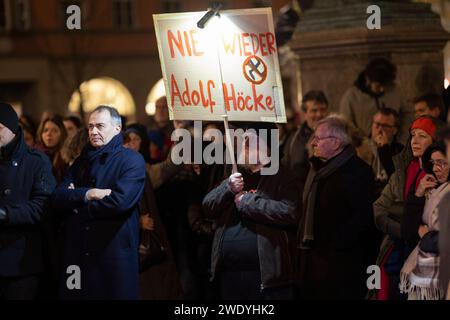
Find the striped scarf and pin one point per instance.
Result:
(419, 277)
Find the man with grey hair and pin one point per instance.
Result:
(101, 195)
(337, 211)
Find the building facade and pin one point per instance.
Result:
(43, 63)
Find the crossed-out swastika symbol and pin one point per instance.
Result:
(255, 70)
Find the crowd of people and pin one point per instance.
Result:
(365, 186)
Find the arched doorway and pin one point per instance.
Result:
(103, 91)
(157, 91)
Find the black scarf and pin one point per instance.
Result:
(90, 153)
(306, 229)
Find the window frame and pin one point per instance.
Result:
(133, 15)
(27, 17)
(8, 19)
(63, 15)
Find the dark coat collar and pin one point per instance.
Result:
(15, 148)
(90, 153)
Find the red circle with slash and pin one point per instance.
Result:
(254, 69)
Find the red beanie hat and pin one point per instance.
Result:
(427, 125)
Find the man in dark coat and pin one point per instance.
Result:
(255, 225)
(296, 155)
(26, 184)
(337, 212)
(101, 194)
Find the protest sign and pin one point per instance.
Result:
(228, 68)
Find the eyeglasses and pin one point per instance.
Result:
(322, 138)
(439, 163)
(383, 125)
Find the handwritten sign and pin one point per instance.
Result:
(229, 67)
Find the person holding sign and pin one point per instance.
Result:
(256, 216)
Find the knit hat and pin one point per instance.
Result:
(426, 124)
(8, 117)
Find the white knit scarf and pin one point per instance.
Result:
(419, 277)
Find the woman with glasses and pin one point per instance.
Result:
(419, 277)
(389, 207)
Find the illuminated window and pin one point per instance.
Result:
(157, 92)
(103, 91)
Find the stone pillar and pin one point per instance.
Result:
(442, 7)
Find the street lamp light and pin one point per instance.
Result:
(208, 15)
